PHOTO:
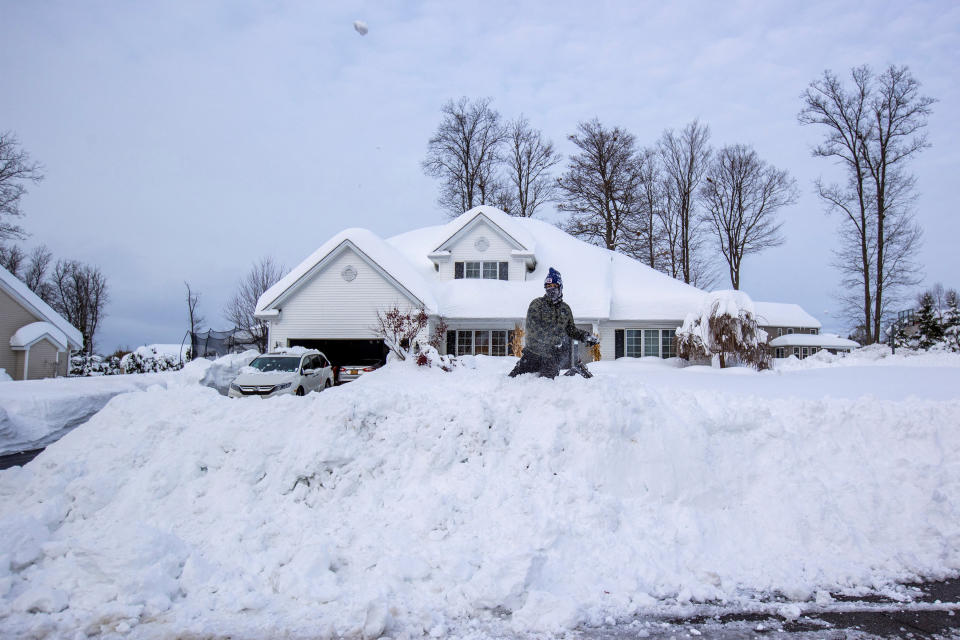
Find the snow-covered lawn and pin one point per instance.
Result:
(415, 501)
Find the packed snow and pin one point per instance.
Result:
(419, 502)
(34, 413)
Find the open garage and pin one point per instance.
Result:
(341, 351)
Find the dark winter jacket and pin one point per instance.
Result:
(547, 324)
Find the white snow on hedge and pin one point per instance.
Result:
(416, 502)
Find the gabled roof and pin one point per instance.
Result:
(597, 283)
(371, 247)
(31, 333)
(784, 314)
(505, 225)
(35, 305)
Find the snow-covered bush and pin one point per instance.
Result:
(725, 327)
(94, 365)
(4, 376)
(149, 359)
(399, 329)
(404, 334)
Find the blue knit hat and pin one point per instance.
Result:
(553, 277)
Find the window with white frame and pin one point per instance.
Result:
(779, 352)
(651, 342)
(779, 331)
(668, 346)
(482, 342)
(477, 269)
(658, 343)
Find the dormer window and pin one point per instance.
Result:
(476, 270)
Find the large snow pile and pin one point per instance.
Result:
(35, 413)
(415, 501)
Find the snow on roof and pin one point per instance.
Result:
(784, 314)
(33, 302)
(510, 225)
(30, 333)
(598, 283)
(375, 248)
(823, 340)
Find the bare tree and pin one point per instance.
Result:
(742, 194)
(601, 188)
(16, 169)
(12, 259)
(35, 273)
(668, 217)
(685, 157)
(872, 130)
(79, 294)
(651, 231)
(193, 316)
(529, 158)
(464, 153)
(240, 309)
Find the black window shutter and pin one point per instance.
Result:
(503, 270)
(458, 270)
(452, 343)
(509, 339)
(618, 343)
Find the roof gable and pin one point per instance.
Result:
(28, 335)
(372, 249)
(500, 223)
(35, 305)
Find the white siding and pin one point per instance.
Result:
(608, 336)
(499, 251)
(327, 306)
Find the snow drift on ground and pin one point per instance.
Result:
(415, 501)
(35, 413)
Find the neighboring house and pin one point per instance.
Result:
(792, 331)
(802, 345)
(35, 341)
(479, 273)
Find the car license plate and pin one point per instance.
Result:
(353, 372)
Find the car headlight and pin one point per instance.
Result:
(280, 387)
(234, 387)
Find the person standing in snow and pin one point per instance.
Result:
(549, 323)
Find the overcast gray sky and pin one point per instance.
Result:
(183, 141)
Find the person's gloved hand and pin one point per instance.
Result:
(591, 340)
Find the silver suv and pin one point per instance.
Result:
(283, 372)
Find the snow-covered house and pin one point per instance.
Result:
(801, 345)
(35, 340)
(479, 273)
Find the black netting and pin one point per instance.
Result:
(214, 344)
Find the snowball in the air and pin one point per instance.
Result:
(361, 27)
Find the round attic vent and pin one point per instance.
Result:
(349, 273)
(482, 244)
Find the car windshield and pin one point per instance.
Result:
(276, 363)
